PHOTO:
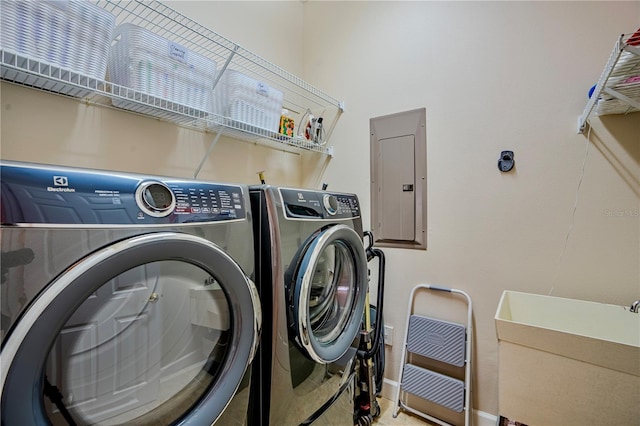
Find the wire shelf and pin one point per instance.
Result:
(299, 95)
(618, 88)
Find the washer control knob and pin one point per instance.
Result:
(155, 199)
(330, 204)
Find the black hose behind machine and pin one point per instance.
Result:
(370, 358)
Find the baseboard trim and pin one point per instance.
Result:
(479, 418)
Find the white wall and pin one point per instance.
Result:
(492, 76)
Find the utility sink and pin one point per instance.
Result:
(566, 361)
(598, 333)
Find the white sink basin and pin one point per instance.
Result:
(598, 333)
(567, 362)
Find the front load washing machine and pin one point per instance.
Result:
(126, 299)
(311, 274)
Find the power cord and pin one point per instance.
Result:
(575, 208)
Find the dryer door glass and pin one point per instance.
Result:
(330, 291)
(153, 343)
(140, 343)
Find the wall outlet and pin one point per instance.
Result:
(388, 335)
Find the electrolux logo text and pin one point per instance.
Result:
(60, 184)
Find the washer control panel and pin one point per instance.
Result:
(308, 204)
(210, 200)
(60, 195)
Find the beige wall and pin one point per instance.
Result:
(493, 76)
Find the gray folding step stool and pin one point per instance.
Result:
(441, 341)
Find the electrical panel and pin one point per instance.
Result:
(398, 179)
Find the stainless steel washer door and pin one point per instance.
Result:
(329, 293)
(155, 329)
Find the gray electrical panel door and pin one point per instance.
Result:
(397, 219)
(399, 179)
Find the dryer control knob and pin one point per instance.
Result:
(155, 199)
(330, 204)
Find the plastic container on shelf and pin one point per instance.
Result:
(146, 62)
(618, 89)
(624, 79)
(246, 103)
(70, 34)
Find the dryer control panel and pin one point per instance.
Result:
(308, 204)
(34, 194)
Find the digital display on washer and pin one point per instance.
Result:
(155, 199)
(158, 196)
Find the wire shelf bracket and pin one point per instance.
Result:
(618, 88)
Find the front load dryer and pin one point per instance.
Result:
(126, 299)
(311, 273)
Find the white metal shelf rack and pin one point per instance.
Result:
(299, 95)
(618, 89)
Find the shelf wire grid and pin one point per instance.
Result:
(170, 24)
(618, 88)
